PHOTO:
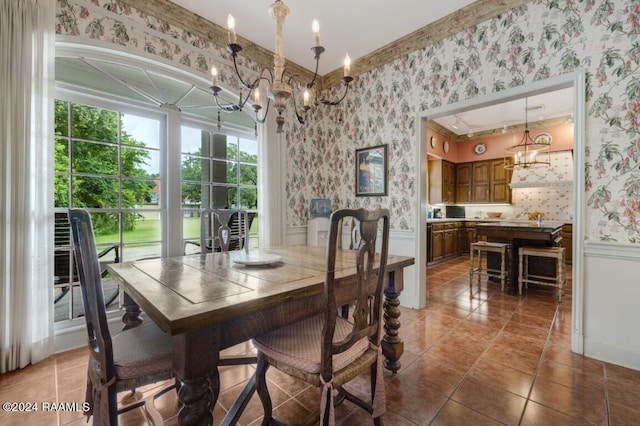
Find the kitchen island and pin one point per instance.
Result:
(518, 234)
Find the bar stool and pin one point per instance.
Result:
(524, 277)
(488, 247)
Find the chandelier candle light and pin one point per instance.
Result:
(529, 152)
(280, 84)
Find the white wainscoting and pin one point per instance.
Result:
(612, 303)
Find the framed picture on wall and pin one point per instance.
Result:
(371, 171)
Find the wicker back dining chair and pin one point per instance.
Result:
(328, 350)
(132, 358)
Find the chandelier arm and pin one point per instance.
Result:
(334, 103)
(305, 108)
(262, 77)
(235, 66)
(242, 103)
(315, 74)
(266, 112)
(228, 107)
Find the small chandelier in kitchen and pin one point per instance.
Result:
(280, 83)
(528, 152)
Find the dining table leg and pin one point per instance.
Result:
(392, 344)
(195, 364)
(131, 317)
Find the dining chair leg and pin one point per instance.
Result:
(240, 403)
(263, 392)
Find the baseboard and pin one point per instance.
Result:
(611, 354)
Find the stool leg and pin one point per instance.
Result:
(520, 277)
(479, 267)
(560, 277)
(471, 268)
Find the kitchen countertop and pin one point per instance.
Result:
(525, 222)
(545, 224)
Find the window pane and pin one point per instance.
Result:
(61, 190)
(61, 155)
(136, 193)
(249, 198)
(195, 169)
(249, 151)
(94, 123)
(248, 174)
(225, 147)
(191, 225)
(224, 172)
(140, 131)
(140, 162)
(231, 197)
(137, 230)
(61, 118)
(194, 141)
(141, 251)
(105, 228)
(94, 158)
(95, 192)
(221, 198)
(193, 194)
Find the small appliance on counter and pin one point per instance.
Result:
(455, 212)
(437, 213)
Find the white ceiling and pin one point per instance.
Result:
(356, 27)
(540, 107)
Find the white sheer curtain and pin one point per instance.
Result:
(26, 171)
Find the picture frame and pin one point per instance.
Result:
(372, 171)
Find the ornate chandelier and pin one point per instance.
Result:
(280, 83)
(528, 152)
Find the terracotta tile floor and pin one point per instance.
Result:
(471, 357)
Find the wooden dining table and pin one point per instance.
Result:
(210, 302)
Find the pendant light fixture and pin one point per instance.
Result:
(528, 152)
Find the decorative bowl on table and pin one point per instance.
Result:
(494, 215)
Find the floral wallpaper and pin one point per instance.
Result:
(541, 39)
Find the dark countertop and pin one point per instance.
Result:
(544, 226)
(503, 222)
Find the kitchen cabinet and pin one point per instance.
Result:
(483, 182)
(463, 182)
(442, 182)
(500, 180)
(480, 188)
(437, 242)
(450, 246)
(448, 239)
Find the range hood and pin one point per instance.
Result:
(559, 173)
